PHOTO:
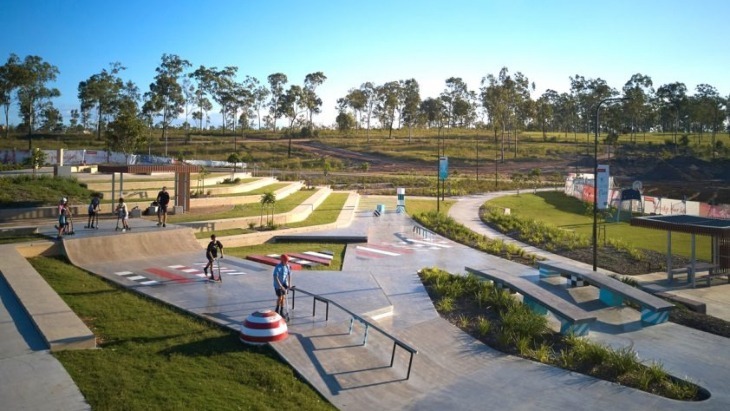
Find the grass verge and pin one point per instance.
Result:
(152, 356)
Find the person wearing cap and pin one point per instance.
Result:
(63, 214)
(282, 281)
(211, 253)
(163, 199)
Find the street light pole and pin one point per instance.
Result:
(595, 181)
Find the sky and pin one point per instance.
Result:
(353, 42)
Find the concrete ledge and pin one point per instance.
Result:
(14, 214)
(299, 213)
(344, 220)
(60, 327)
(693, 305)
(17, 231)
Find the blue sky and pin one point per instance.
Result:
(378, 40)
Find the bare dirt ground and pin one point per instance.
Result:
(679, 177)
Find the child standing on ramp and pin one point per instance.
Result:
(211, 252)
(123, 214)
(63, 215)
(282, 281)
(94, 209)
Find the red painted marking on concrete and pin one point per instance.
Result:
(369, 254)
(168, 275)
(390, 248)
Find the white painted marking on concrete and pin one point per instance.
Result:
(150, 282)
(316, 254)
(136, 278)
(191, 270)
(176, 266)
(124, 273)
(375, 250)
(428, 243)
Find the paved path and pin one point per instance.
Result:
(30, 377)
(451, 370)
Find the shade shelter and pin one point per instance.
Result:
(718, 229)
(182, 177)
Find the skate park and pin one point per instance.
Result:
(379, 284)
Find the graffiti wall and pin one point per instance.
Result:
(580, 186)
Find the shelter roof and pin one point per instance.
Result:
(717, 227)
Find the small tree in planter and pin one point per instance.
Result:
(268, 200)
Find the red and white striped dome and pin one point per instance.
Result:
(263, 327)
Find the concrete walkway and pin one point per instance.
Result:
(451, 369)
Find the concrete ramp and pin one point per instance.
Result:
(118, 246)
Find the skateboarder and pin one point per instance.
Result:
(211, 253)
(163, 199)
(282, 280)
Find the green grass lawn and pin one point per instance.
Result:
(569, 213)
(153, 357)
(326, 213)
(247, 210)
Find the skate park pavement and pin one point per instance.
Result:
(379, 282)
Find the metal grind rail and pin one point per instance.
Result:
(366, 323)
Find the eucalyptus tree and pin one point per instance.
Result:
(709, 109)
(277, 81)
(291, 105)
(433, 111)
(33, 74)
(50, 118)
(387, 100)
(188, 89)
(74, 120)
(165, 97)
(369, 92)
(204, 78)
(344, 120)
(224, 92)
(357, 100)
(410, 100)
(638, 91)
(566, 110)
(126, 132)
(255, 98)
(454, 96)
(672, 98)
(505, 98)
(588, 93)
(9, 82)
(100, 93)
(312, 102)
(545, 111)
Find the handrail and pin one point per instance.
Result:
(396, 342)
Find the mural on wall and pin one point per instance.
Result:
(580, 186)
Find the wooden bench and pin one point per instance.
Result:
(612, 292)
(573, 319)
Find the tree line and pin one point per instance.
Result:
(503, 104)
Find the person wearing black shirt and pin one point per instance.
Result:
(163, 199)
